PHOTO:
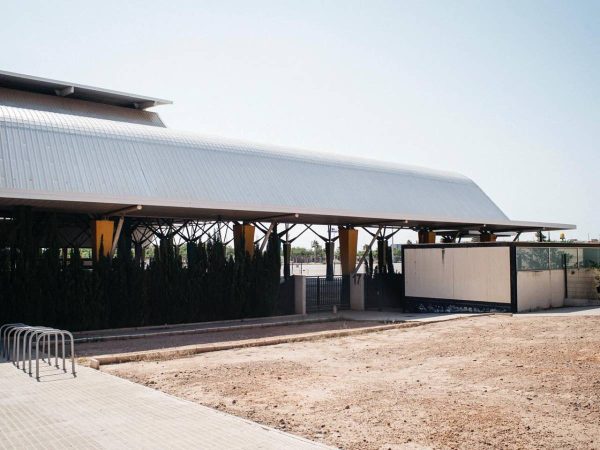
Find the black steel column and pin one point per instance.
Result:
(287, 253)
(139, 253)
(381, 255)
(329, 254)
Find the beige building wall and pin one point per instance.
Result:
(463, 273)
(540, 289)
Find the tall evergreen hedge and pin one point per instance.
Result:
(36, 287)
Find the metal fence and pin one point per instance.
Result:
(384, 291)
(19, 341)
(322, 294)
(285, 300)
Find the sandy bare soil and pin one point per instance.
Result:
(485, 382)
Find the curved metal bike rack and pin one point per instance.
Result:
(3, 331)
(45, 334)
(56, 333)
(17, 346)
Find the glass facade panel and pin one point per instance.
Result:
(554, 258)
(559, 256)
(589, 257)
(533, 258)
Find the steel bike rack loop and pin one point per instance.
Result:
(27, 336)
(63, 333)
(45, 334)
(18, 336)
(23, 335)
(9, 334)
(3, 331)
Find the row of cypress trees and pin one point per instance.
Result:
(37, 288)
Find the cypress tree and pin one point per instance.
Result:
(389, 259)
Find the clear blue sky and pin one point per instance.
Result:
(505, 92)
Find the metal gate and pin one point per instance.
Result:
(323, 294)
(384, 291)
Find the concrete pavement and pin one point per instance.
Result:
(99, 411)
(260, 322)
(560, 312)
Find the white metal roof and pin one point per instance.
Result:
(47, 86)
(74, 162)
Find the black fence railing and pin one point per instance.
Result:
(322, 294)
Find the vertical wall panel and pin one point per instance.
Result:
(462, 273)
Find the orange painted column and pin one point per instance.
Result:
(487, 237)
(426, 237)
(102, 236)
(348, 240)
(244, 233)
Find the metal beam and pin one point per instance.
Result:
(267, 236)
(364, 256)
(299, 234)
(122, 211)
(116, 238)
(286, 231)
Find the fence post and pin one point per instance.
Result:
(357, 292)
(318, 292)
(300, 294)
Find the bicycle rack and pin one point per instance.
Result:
(17, 341)
(3, 329)
(56, 333)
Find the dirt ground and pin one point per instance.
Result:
(485, 382)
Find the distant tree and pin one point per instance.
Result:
(316, 247)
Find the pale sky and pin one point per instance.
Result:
(506, 92)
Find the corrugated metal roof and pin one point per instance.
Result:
(50, 156)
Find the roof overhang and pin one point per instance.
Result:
(256, 213)
(47, 86)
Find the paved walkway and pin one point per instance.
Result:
(568, 311)
(97, 410)
(230, 325)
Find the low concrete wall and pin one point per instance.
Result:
(357, 292)
(583, 283)
(540, 289)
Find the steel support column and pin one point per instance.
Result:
(329, 254)
(102, 237)
(287, 253)
(348, 240)
(426, 237)
(243, 238)
(487, 237)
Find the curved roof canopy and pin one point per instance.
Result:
(88, 159)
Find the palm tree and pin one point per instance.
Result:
(316, 247)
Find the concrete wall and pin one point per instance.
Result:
(464, 273)
(582, 283)
(540, 289)
(357, 292)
